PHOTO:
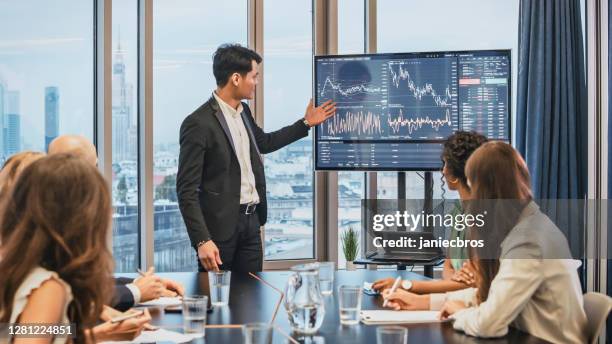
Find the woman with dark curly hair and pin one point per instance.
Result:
(458, 272)
(457, 149)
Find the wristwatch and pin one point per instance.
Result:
(406, 284)
(306, 123)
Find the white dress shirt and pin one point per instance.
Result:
(531, 291)
(242, 145)
(135, 292)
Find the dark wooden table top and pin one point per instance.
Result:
(253, 301)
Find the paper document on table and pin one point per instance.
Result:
(163, 301)
(378, 317)
(160, 335)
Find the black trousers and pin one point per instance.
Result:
(243, 251)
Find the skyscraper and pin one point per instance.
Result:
(2, 116)
(13, 124)
(123, 126)
(51, 114)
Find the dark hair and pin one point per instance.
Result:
(458, 148)
(230, 59)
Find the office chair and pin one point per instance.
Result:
(596, 306)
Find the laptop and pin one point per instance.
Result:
(425, 254)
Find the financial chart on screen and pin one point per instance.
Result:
(395, 110)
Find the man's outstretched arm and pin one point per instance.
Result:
(269, 142)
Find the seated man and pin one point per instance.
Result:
(128, 292)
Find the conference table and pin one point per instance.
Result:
(253, 301)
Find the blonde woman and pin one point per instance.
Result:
(13, 166)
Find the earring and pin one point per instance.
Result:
(453, 181)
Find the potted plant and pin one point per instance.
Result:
(350, 244)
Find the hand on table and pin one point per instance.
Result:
(382, 284)
(405, 300)
(450, 308)
(151, 287)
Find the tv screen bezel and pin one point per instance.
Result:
(400, 55)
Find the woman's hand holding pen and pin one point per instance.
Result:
(405, 300)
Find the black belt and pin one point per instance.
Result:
(248, 209)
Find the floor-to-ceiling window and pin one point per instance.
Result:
(351, 185)
(125, 135)
(185, 36)
(287, 81)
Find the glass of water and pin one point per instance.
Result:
(326, 277)
(349, 302)
(194, 313)
(219, 283)
(391, 335)
(257, 333)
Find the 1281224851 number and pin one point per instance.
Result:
(38, 330)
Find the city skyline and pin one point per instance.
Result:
(11, 136)
(124, 124)
(52, 114)
(60, 53)
(10, 122)
(2, 115)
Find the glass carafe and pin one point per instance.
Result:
(303, 300)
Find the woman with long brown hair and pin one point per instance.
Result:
(56, 266)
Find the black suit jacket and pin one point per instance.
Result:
(208, 178)
(123, 299)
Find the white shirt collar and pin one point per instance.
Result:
(226, 108)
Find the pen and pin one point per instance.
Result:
(126, 316)
(393, 288)
(143, 274)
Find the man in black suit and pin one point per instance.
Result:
(220, 182)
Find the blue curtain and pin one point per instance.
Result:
(609, 265)
(609, 102)
(551, 118)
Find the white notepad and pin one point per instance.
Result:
(385, 317)
(160, 335)
(163, 301)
